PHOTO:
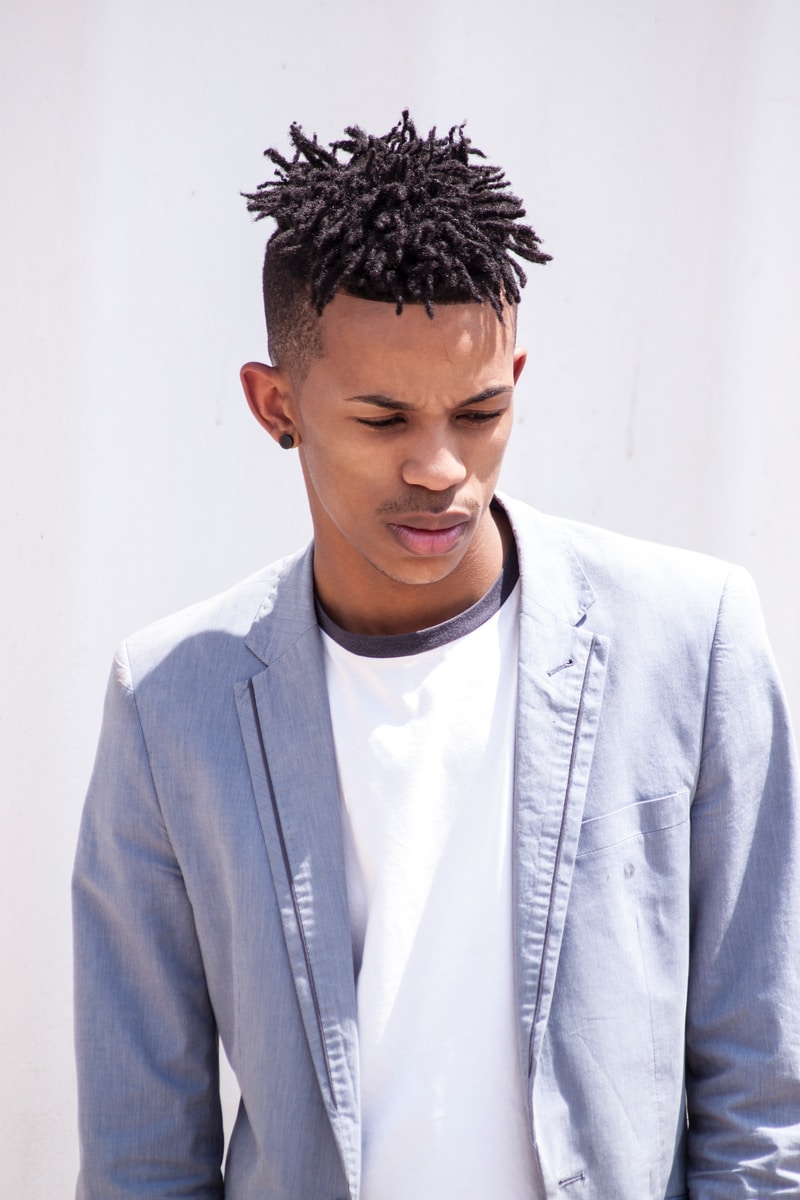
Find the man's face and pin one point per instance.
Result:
(402, 424)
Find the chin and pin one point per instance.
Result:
(417, 574)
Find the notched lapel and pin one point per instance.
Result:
(285, 721)
(561, 676)
(562, 672)
(562, 668)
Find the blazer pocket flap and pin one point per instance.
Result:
(645, 816)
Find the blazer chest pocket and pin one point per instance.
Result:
(633, 820)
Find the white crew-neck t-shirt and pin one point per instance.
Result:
(424, 727)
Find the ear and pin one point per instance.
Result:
(520, 358)
(269, 395)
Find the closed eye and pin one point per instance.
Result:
(478, 418)
(381, 422)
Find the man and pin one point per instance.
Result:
(471, 832)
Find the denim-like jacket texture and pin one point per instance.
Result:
(656, 892)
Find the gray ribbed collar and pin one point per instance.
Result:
(398, 645)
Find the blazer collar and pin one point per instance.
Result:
(552, 577)
(287, 612)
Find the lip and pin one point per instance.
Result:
(430, 535)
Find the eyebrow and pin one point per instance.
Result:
(400, 405)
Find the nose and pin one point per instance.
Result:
(434, 463)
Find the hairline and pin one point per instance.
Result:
(297, 366)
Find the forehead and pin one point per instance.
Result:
(363, 338)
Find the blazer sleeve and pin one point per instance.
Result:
(146, 1039)
(743, 1020)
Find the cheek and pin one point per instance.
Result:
(486, 460)
(344, 479)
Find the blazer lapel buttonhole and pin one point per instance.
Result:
(561, 667)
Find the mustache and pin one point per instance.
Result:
(419, 500)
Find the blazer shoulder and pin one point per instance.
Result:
(639, 561)
(630, 581)
(184, 640)
(604, 553)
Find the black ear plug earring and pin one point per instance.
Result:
(286, 441)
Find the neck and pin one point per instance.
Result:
(362, 599)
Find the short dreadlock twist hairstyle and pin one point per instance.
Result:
(404, 219)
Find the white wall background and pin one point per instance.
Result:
(657, 145)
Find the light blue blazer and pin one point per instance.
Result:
(656, 893)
